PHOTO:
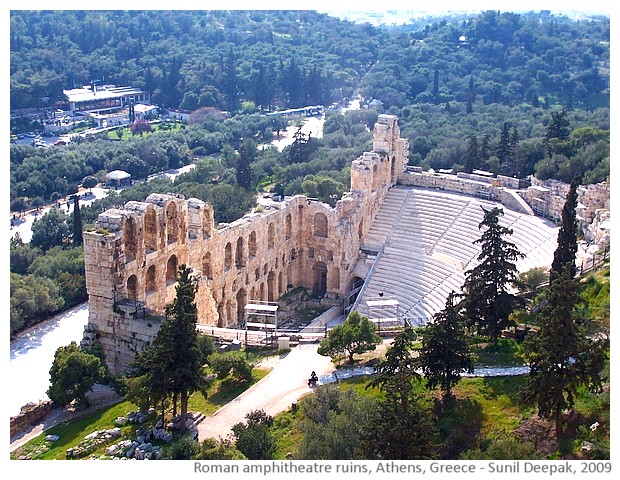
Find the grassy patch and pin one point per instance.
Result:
(221, 392)
(506, 353)
(73, 432)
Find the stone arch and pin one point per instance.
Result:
(206, 265)
(271, 287)
(241, 301)
(319, 282)
(261, 291)
(393, 169)
(271, 235)
(227, 256)
(239, 256)
(207, 222)
(289, 276)
(229, 313)
(334, 282)
(132, 287)
(172, 221)
(130, 233)
(220, 314)
(252, 244)
(253, 294)
(280, 284)
(151, 279)
(171, 270)
(150, 230)
(320, 225)
(288, 227)
(256, 274)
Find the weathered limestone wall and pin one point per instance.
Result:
(133, 254)
(547, 197)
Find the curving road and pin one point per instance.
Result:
(275, 393)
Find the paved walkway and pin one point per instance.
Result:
(274, 393)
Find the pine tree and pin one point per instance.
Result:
(560, 356)
(486, 297)
(77, 222)
(445, 353)
(557, 131)
(397, 372)
(567, 235)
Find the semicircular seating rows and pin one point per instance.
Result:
(427, 238)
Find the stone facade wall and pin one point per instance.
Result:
(133, 254)
(30, 414)
(549, 196)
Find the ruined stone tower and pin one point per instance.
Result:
(133, 253)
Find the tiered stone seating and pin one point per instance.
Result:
(427, 237)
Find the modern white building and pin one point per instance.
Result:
(102, 99)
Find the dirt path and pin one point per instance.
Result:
(273, 394)
(100, 397)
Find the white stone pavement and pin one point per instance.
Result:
(275, 393)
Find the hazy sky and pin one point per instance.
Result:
(602, 6)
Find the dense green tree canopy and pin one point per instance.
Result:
(355, 335)
(73, 373)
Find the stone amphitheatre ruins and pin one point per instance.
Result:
(399, 235)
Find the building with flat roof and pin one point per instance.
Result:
(102, 99)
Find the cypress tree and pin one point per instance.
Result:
(472, 157)
(77, 222)
(560, 355)
(247, 153)
(503, 151)
(445, 353)
(173, 361)
(567, 236)
(487, 300)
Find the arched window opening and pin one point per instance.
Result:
(335, 279)
(227, 256)
(132, 287)
(151, 279)
(288, 227)
(171, 270)
(320, 225)
(239, 257)
(150, 230)
(270, 235)
(172, 220)
(271, 284)
(252, 245)
(241, 301)
(319, 284)
(129, 235)
(206, 265)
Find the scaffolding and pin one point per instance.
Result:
(261, 316)
(383, 312)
